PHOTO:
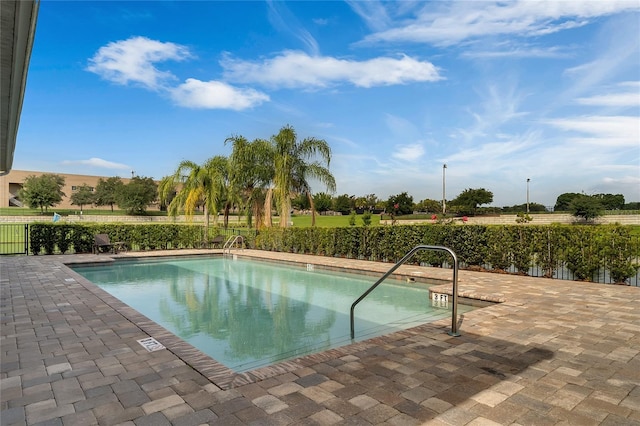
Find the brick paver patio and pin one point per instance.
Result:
(552, 352)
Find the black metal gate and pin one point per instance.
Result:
(14, 238)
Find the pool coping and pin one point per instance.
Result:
(225, 378)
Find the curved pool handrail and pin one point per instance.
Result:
(234, 239)
(405, 258)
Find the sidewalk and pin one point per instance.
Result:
(553, 352)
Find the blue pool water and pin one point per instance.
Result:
(248, 314)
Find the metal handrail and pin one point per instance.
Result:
(231, 241)
(454, 313)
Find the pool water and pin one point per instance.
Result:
(249, 314)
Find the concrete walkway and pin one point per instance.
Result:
(552, 352)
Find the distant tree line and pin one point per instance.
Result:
(272, 175)
(44, 191)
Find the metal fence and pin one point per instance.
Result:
(14, 240)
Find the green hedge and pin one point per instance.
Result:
(51, 238)
(583, 250)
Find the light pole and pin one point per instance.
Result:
(444, 198)
(528, 180)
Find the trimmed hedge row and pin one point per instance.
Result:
(61, 238)
(583, 250)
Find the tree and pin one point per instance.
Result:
(564, 201)
(343, 204)
(106, 193)
(429, 206)
(251, 170)
(368, 202)
(301, 202)
(635, 205)
(199, 185)
(42, 191)
(322, 201)
(469, 200)
(586, 207)
(295, 162)
(136, 196)
(230, 194)
(166, 192)
(82, 196)
(611, 201)
(517, 208)
(400, 204)
(360, 203)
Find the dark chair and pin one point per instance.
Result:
(217, 241)
(102, 242)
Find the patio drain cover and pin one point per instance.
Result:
(151, 344)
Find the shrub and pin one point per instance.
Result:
(63, 237)
(352, 218)
(584, 250)
(366, 218)
(500, 248)
(582, 253)
(617, 252)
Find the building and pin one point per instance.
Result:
(11, 183)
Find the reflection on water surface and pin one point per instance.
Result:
(247, 314)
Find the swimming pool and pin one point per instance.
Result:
(248, 314)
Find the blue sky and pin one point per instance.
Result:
(500, 92)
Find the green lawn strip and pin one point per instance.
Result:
(331, 221)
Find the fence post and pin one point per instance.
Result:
(26, 239)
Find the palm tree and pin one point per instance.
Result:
(228, 193)
(295, 162)
(250, 173)
(301, 185)
(198, 185)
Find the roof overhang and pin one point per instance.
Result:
(17, 31)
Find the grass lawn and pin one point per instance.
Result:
(331, 221)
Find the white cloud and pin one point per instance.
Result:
(283, 20)
(374, 13)
(410, 153)
(132, 61)
(616, 54)
(614, 99)
(457, 22)
(293, 69)
(97, 162)
(499, 106)
(602, 130)
(625, 180)
(491, 156)
(523, 51)
(628, 98)
(215, 95)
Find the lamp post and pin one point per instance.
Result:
(444, 198)
(528, 180)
